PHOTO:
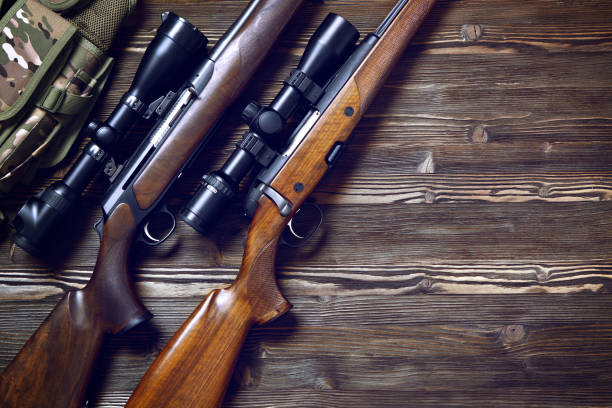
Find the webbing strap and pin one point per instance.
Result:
(62, 102)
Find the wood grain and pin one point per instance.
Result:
(195, 368)
(474, 196)
(457, 346)
(57, 360)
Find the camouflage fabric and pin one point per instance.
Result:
(26, 40)
(33, 143)
(25, 146)
(50, 78)
(73, 95)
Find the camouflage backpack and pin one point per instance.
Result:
(52, 69)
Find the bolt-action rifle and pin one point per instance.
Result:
(54, 366)
(195, 367)
(169, 60)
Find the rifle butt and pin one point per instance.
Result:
(195, 368)
(54, 366)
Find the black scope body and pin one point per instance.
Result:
(171, 56)
(326, 51)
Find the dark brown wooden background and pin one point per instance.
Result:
(466, 254)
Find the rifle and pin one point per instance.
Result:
(54, 366)
(169, 60)
(195, 367)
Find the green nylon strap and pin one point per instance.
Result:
(59, 151)
(60, 101)
(84, 77)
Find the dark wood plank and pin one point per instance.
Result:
(466, 232)
(455, 345)
(465, 258)
(442, 248)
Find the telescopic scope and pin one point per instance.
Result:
(325, 52)
(168, 60)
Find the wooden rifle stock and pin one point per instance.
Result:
(54, 366)
(195, 368)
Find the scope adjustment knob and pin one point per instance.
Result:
(269, 122)
(249, 114)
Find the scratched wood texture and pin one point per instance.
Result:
(466, 254)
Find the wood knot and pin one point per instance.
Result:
(480, 134)
(543, 192)
(471, 32)
(427, 166)
(542, 275)
(325, 299)
(324, 383)
(243, 375)
(426, 285)
(430, 197)
(513, 334)
(547, 147)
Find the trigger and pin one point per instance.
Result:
(99, 227)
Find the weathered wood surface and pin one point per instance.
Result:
(466, 254)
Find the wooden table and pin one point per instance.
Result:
(466, 254)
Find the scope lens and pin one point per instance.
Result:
(171, 56)
(328, 48)
(183, 33)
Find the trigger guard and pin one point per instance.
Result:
(302, 240)
(295, 234)
(146, 236)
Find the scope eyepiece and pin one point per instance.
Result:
(209, 203)
(325, 52)
(41, 214)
